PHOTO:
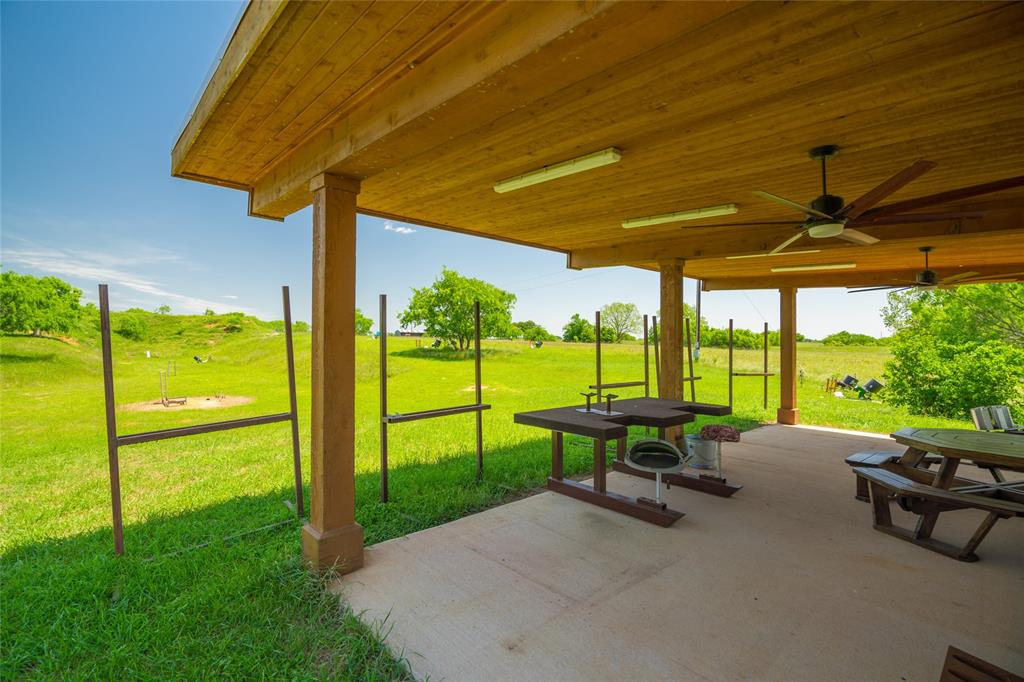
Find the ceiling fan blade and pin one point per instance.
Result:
(857, 237)
(957, 276)
(855, 208)
(763, 222)
(807, 210)
(945, 197)
(916, 218)
(789, 241)
(1001, 275)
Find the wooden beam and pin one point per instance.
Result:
(788, 412)
(332, 538)
(670, 337)
(706, 243)
(851, 278)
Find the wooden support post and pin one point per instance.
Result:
(332, 538)
(647, 361)
(689, 362)
(657, 355)
(479, 396)
(671, 338)
(597, 347)
(788, 412)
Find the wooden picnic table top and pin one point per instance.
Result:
(657, 412)
(998, 449)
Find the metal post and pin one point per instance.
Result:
(382, 325)
(696, 352)
(657, 358)
(292, 402)
(765, 370)
(479, 396)
(597, 337)
(108, 400)
(730, 363)
(647, 362)
(689, 359)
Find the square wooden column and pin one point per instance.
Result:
(788, 412)
(670, 336)
(332, 538)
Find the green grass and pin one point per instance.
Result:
(245, 607)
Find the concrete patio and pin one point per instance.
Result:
(786, 580)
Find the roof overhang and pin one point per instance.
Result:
(430, 104)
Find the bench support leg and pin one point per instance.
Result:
(879, 505)
(979, 535)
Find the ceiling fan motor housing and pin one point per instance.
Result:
(828, 203)
(927, 278)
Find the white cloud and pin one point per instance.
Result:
(400, 229)
(231, 297)
(111, 269)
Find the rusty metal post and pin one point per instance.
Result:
(597, 341)
(657, 357)
(382, 326)
(293, 403)
(479, 395)
(765, 370)
(647, 362)
(730, 363)
(108, 400)
(689, 359)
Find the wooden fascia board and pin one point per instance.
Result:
(256, 21)
(282, 189)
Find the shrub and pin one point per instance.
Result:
(131, 326)
(845, 338)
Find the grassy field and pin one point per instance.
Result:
(244, 607)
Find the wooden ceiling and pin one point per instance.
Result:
(428, 104)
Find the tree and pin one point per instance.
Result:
(209, 312)
(621, 318)
(845, 338)
(954, 349)
(578, 329)
(131, 325)
(531, 331)
(164, 309)
(445, 309)
(363, 323)
(37, 304)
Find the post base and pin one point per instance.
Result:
(788, 415)
(339, 549)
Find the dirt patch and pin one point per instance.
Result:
(199, 402)
(470, 389)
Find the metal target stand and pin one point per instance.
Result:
(116, 441)
(764, 374)
(399, 417)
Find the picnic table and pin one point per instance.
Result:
(602, 427)
(929, 493)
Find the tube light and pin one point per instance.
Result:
(780, 253)
(823, 266)
(560, 170)
(679, 216)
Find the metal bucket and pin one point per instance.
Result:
(704, 452)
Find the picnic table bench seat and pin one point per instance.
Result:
(877, 459)
(926, 500)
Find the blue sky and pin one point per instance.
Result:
(93, 97)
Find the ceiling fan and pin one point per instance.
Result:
(827, 216)
(928, 279)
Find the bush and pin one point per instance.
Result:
(931, 377)
(845, 338)
(132, 327)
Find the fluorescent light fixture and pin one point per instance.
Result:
(679, 216)
(560, 170)
(780, 253)
(823, 266)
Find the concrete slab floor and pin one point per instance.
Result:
(786, 580)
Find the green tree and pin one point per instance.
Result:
(164, 309)
(621, 318)
(531, 331)
(209, 312)
(954, 349)
(845, 338)
(578, 329)
(445, 309)
(37, 304)
(363, 323)
(131, 325)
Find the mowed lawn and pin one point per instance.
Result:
(244, 607)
